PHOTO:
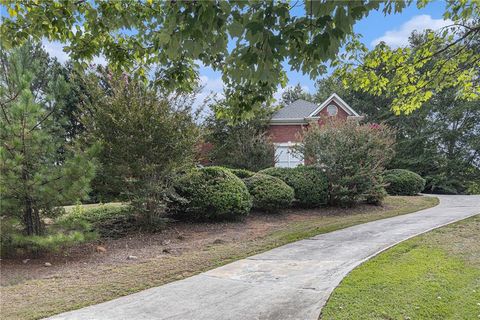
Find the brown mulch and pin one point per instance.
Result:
(176, 239)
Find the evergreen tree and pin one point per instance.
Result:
(292, 94)
(39, 171)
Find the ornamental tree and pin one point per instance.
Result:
(353, 157)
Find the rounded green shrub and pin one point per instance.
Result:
(242, 173)
(401, 182)
(310, 184)
(268, 192)
(211, 193)
(109, 220)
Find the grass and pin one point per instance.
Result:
(37, 298)
(432, 276)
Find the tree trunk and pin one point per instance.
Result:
(31, 218)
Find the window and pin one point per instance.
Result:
(332, 110)
(286, 158)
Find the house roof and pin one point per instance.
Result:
(300, 110)
(297, 110)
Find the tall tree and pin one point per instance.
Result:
(243, 144)
(411, 75)
(39, 171)
(292, 94)
(177, 34)
(145, 140)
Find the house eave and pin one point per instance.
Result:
(292, 121)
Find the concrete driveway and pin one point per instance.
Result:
(290, 282)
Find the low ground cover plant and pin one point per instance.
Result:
(309, 184)
(211, 193)
(401, 182)
(269, 193)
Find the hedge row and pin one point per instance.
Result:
(217, 193)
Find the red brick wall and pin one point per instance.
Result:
(285, 133)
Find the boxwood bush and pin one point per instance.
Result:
(403, 182)
(269, 193)
(309, 184)
(242, 173)
(109, 220)
(211, 193)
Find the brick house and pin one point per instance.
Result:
(288, 123)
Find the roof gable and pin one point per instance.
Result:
(300, 110)
(339, 101)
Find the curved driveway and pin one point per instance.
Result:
(290, 282)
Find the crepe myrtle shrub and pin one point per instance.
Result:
(353, 156)
(269, 193)
(309, 184)
(210, 193)
(401, 182)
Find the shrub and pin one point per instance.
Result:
(211, 193)
(268, 192)
(109, 221)
(309, 184)
(146, 139)
(403, 182)
(353, 156)
(242, 173)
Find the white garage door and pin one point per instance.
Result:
(286, 158)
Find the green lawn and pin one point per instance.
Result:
(432, 276)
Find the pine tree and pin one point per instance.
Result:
(39, 171)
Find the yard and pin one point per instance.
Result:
(82, 276)
(432, 276)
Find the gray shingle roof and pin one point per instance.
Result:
(298, 109)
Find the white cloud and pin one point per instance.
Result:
(211, 85)
(55, 49)
(399, 37)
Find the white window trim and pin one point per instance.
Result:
(288, 144)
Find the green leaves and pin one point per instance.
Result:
(133, 33)
(411, 76)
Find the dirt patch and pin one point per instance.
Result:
(82, 275)
(177, 239)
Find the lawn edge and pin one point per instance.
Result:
(363, 261)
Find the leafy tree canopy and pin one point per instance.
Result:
(177, 35)
(410, 76)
